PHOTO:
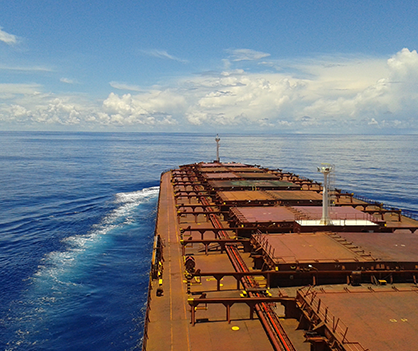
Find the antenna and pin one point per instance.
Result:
(217, 139)
(325, 169)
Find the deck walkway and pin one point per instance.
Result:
(169, 326)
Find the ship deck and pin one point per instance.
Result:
(376, 319)
(229, 271)
(169, 326)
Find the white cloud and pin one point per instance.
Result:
(246, 54)
(243, 99)
(341, 75)
(163, 54)
(67, 81)
(20, 89)
(125, 86)
(25, 69)
(7, 38)
(335, 94)
(227, 64)
(54, 111)
(152, 108)
(404, 65)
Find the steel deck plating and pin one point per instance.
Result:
(235, 267)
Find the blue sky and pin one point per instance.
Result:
(214, 66)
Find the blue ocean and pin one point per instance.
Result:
(78, 212)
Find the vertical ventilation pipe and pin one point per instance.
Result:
(325, 169)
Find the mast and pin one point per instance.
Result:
(217, 139)
(325, 169)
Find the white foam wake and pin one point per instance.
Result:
(56, 263)
(61, 274)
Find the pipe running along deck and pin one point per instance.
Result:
(240, 251)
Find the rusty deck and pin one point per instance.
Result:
(169, 319)
(231, 269)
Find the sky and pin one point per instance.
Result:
(282, 66)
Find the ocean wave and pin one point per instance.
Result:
(56, 262)
(62, 276)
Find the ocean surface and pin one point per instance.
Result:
(77, 214)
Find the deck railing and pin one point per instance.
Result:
(406, 213)
(334, 324)
(146, 320)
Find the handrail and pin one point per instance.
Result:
(407, 213)
(334, 324)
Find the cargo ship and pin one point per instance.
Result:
(250, 258)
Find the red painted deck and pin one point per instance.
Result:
(379, 315)
(383, 319)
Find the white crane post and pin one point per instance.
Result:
(217, 139)
(325, 169)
